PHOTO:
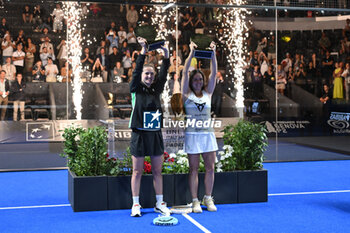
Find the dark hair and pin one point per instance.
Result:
(2, 71)
(192, 74)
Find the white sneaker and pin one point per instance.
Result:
(162, 208)
(135, 210)
(196, 207)
(209, 203)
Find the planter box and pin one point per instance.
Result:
(87, 193)
(120, 197)
(224, 190)
(252, 186)
(102, 192)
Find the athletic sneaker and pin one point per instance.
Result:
(196, 207)
(162, 208)
(209, 203)
(135, 210)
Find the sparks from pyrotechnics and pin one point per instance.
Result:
(73, 15)
(234, 26)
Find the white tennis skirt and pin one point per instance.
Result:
(196, 143)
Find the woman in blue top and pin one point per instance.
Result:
(199, 140)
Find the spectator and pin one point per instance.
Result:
(346, 30)
(263, 62)
(62, 54)
(112, 28)
(271, 49)
(199, 24)
(102, 45)
(187, 28)
(254, 61)
(287, 62)
(27, 14)
(20, 38)
(257, 85)
(131, 70)
(38, 72)
(145, 16)
(290, 80)
(18, 97)
(46, 44)
(281, 80)
(134, 55)
(324, 43)
(127, 62)
(113, 41)
(125, 47)
(262, 44)
(18, 59)
(3, 27)
(58, 17)
(326, 95)
(4, 92)
(95, 9)
(115, 57)
(46, 35)
(104, 63)
(38, 16)
(269, 76)
(87, 60)
(47, 23)
(45, 55)
(327, 68)
(66, 72)
(121, 35)
(132, 42)
(131, 16)
(98, 71)
(311, 77)
(51, 71)
(346, 76)
(7, 47)
(10, 70)
(118, 75)
(338, 81)
(217, 95)
(300, 76)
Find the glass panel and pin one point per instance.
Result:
(88, 93)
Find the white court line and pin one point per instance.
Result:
(196, 223)
(32, 207)
(305, 193)
(187, 216)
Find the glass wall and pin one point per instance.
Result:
(283, 64)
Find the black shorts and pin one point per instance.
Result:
(146, 143)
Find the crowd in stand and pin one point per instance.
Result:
(113, 60)
(325, 64)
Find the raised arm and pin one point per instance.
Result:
(214, 68)
(185, 88)
(136, 75)
(163, 73)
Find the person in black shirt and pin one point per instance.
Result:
(327, 68)
(27, 14)
(217, 95)
(18, 96)
(146, 122)
(115, 57)
(3, 27)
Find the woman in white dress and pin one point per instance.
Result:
(199, 140)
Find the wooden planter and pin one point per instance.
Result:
(87, 193)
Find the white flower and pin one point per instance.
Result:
(216, 159)
(221, 153)
(219, 170)
(225, 147)
(172, 155)
(181, 152)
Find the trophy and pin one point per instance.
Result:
(203, 50)
(149, 33)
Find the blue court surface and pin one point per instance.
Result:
(303, 197)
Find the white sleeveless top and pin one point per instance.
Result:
(198, 117)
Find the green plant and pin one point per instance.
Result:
(244, 148)
(86, 151)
